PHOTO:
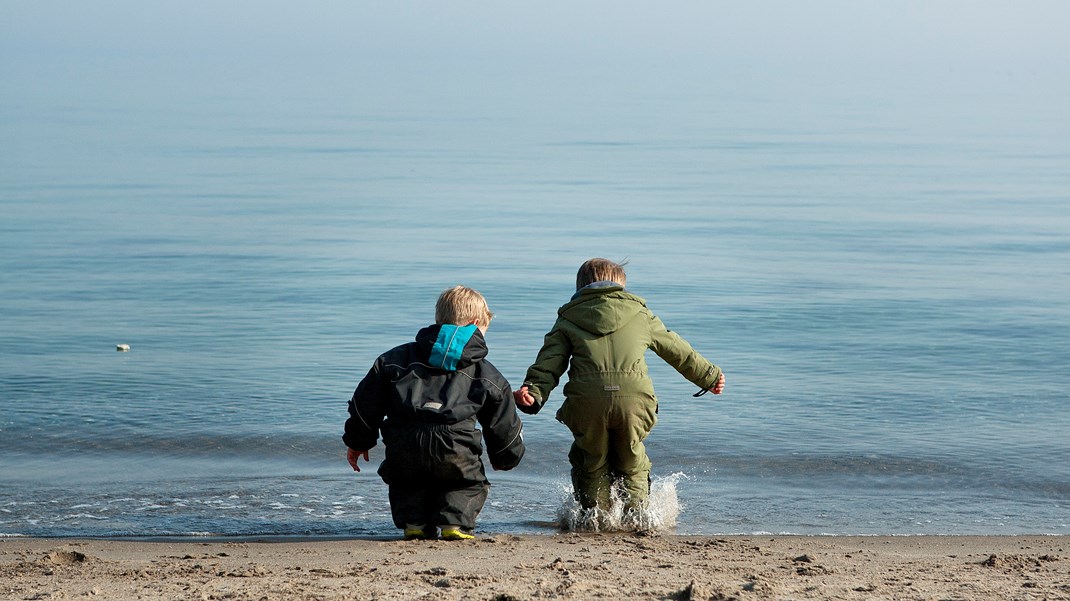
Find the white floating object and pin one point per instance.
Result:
(122, 348)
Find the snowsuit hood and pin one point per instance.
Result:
(451, 347)
(602, 308)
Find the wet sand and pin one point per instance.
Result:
(562, 566)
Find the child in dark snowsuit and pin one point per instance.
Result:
(426, 397)
(601, 336)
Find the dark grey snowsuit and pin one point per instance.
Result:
(426, 398)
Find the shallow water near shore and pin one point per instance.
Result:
(658, 514)
(882, 273)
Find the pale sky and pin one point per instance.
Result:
(954, 34)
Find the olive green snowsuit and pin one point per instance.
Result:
(601, 336)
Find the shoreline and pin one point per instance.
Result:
(506, 567)
(395, 535)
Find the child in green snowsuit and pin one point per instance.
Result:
(601, 336)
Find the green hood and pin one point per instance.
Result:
(602, 310)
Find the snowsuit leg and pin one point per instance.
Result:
(634, 418)
(590, 469)
(459, 505)
(608, 445)
(435, 476)
(436, 504)
(409, 504)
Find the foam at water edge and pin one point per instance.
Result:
(660, 513)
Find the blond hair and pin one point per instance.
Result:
(462, 305)
(601, 270)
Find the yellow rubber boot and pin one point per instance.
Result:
(455, 533)
(418, 532)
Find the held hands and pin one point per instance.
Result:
(523, 398)
(352, 455)
(718, 388)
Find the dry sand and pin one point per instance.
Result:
(564, 566)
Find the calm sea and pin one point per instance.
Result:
(882, 272)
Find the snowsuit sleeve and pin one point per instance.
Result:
(367, 408)
(678, 353)
(502, 429)
(550, 363)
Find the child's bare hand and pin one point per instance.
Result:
(352, 456)
(718, 388)
(523, 398)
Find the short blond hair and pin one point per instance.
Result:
(462, 305)
(601, 270)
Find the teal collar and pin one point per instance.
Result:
(450, 345)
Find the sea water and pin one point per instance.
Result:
(882, 272)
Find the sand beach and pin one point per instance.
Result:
(505, 567)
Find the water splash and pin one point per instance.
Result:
(660, 514)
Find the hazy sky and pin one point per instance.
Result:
(859, 34)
